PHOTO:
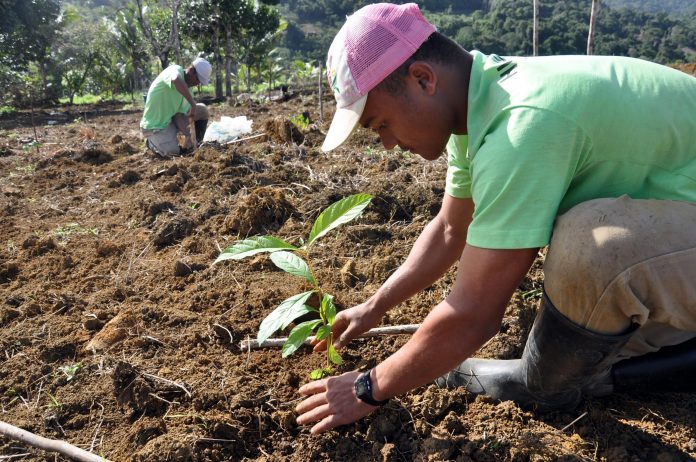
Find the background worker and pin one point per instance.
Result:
(593, 156)
(169, 106)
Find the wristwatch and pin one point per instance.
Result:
(363, 390)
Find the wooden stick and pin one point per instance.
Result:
(244, 139)
(194, 140)
(376, 332)
(62, 447)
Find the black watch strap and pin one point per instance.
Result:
(363, 390)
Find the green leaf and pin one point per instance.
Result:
(284, 314)
(338, 213)
(317, 374)
(334, 357)
(288, 261)
(323, 332)
(328, 309)
(252, 246)
(298, 335)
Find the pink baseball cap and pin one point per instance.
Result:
(372, 44)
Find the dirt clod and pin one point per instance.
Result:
(172, 231)
(113, 332)
(93, 153)
(282, 130)
(263, 210)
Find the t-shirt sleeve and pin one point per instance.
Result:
(178, 71)
(458, 181)
(171, 74)
(520, 174)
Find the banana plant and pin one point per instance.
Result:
(294, 260)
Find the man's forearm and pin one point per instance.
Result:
(182, 88)
(435, 251)
(460, 324)
(444, 340)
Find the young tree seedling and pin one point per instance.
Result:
(292, 260)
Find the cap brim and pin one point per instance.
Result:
(343, 124)
(203, 81)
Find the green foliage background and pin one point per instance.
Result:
(658, 30)
(51, 49)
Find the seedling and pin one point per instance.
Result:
(74, 228)
(27, 169)
(55, 404)
(301, 121)
(31, 145)
(70, 371)
(283, 257)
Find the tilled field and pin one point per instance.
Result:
(119, 336)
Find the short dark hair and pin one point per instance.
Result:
(437, 48)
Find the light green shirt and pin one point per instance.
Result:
(545, 134)
(164, 100)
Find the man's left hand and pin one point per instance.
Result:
(331, 402)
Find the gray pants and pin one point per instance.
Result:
(165, 141)
(613, 262)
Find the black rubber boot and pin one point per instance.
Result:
(672, 368)
(559, 360)
(200, 125)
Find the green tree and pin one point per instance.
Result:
(27, 32)
(160, 26)
(131, 44)
(79, 52)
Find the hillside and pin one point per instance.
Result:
(505, 27)
(674, 7)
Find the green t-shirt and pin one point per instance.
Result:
(545, 134)
(164, 100)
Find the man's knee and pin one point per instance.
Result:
(164, 142)
(599, 239)
(608, 249)
(588, 244)
(201, 112)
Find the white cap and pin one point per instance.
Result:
(203, 70)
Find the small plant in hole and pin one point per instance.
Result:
(70, 370)
(301, 121)
(74, 228)
(290, 259)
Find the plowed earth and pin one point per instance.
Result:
(105, 263)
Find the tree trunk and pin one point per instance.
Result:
(218, 63)
(228, 78)
(535, 30)
(161, 50)
(177, 48)
(228, 60)
(248, 76)
(590, 35)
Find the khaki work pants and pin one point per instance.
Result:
(614, 262)
(164, 141)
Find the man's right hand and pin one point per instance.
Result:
(349, 324)
(192, 113)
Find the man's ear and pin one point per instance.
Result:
(424, 75)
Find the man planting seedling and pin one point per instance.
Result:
(593, 156)
(284, 256)
(170, 108)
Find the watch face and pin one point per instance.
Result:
(361, 387)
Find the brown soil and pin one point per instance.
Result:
(106, 262)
